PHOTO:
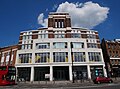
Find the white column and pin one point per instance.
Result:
(102, 59)
(104, 71)
(51, 52)
(69, 53)
(32, 74)
(89, 73)
(70, 73)
(33, 58)
(51, 73)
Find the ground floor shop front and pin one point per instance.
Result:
(57, 73)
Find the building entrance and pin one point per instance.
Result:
(40, 73)
(80, 72)
(24, 73)
(96, 71)
(61, 73)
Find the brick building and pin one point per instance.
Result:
(8, 55)
(111, 53)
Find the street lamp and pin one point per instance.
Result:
(71, 46)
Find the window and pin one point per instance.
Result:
(108, 45)
(91, 36)
(60, 57)
(92, 45)
(94, 56)
(60, 45)
(59, 23)
(42, 36)
(79, 56)
(3, 67)
(42, 57)
(119, 61)
(59, 35)
(26, 37)
(23, 46)
(2, 59)
(7, 57)
(26, 46)
(42, 45)
(112, 61)
(25, 58)
(77, 45)
(110, 54)
(116, 55)
(75, 35)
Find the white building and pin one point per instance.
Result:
(50, 51)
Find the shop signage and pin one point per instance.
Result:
(47, 75)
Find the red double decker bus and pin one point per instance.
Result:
(7, 75)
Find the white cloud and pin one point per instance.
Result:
(55, 6)
(86, 15)
(42, 21)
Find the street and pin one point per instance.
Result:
(72, 86)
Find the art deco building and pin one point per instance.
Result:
(50, 52)
(8, 55)
(111, 53)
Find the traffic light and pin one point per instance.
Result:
(96, 72)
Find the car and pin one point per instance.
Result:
(99, 80)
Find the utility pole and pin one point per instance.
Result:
(71, 46)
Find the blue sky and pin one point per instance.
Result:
(22, 15)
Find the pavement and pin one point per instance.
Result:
(58, 84)
(67, 84)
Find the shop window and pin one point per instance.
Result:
(42, 57)
(94, 56)
(25, 58)
(60, 56)
(79, 56)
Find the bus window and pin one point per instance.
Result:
(3, 77)
(11, 68)
(2, 67)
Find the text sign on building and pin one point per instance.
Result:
(47, 75)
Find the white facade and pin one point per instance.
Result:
(58, 52)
